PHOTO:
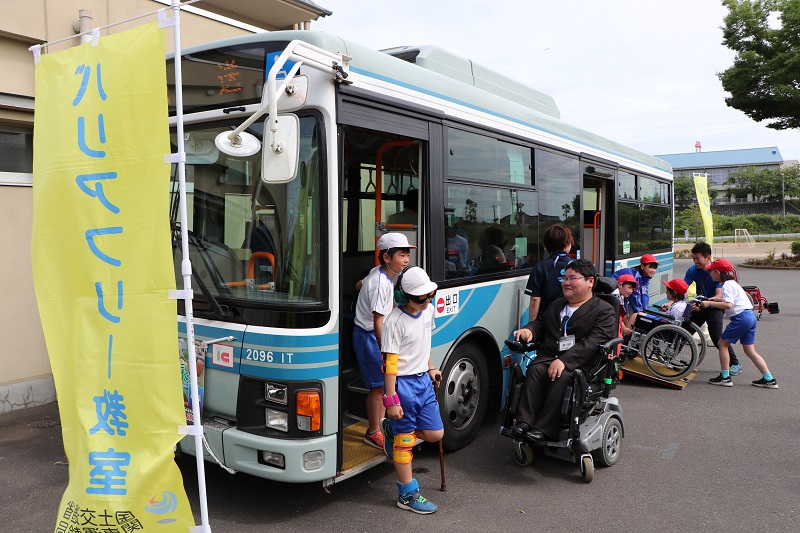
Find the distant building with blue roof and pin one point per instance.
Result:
(720, 164)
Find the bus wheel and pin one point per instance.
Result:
(463, 396)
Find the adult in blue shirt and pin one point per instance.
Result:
(705, 286)
(640, 299)
(544, 283)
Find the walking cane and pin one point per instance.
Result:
(441, 448)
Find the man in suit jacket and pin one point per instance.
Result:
(569, 333)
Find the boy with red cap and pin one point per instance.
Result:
(742, 327)
(640, 299)
(626, 285)
(676, 294)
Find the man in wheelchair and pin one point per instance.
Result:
(569, 334)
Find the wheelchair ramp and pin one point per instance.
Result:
(635, 367)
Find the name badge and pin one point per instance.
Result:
(566, 342)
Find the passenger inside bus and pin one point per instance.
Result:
(456, 251)
(491, 241)
(409, 213)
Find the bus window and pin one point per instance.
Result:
(251, 241)
(488, 229)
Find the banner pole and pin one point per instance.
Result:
(186, 271)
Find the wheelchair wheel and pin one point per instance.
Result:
(587, 468)
(523, 454)
(701, 345)
(608, 454)
(669, 352)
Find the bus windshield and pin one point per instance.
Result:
(250, 243)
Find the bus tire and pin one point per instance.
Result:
(463, 396)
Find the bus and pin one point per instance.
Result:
(283, 217)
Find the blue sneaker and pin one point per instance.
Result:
(388, 438)
(409, 498)
(736, 370)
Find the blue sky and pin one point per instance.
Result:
(640, 72)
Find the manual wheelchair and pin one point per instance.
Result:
(592, 425)
(668, 347)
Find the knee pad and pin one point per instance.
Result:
(403, 443)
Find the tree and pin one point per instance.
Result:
(768, 185)
(686, 193)
(759, 183)
(764, 81)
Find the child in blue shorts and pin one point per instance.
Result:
(411, 406)
(742, 327)
(375, 302)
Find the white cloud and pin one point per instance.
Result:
(641, 72)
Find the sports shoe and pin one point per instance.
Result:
(736, 370)
(374, 439)
(388, 438)
(409, 498)
(719, 380)
(771, 384)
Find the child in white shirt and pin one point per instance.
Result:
(742, 327)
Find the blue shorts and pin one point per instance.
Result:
(742, 328)
(420, 408)
(369, 357)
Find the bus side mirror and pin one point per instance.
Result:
(279, 164)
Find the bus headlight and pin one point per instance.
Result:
(314, 460)
(274, 459)
(277, 420)
(276, 393)
(308, 410)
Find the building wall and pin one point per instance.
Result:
(25, 376)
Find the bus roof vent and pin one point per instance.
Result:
(466, 71)
(406, 53)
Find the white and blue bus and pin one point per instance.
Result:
(475, 166)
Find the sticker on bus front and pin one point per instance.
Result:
(446, 302)
(222, 355)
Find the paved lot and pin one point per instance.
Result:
(702, 459)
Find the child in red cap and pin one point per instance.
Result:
(676, 294)
(742, 327)
(626, 286)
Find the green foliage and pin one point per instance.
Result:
(764, 81)
(755, 224)
(767, 184)
(796, 248)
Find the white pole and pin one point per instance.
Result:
(186, 271)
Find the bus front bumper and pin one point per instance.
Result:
(241, 451)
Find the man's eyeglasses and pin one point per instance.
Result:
(422, 299)
(571, 279)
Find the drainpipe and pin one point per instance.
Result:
(84, 23)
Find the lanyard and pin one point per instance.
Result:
(557, 256)
(565, 320)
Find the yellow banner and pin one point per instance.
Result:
(102, 267)
(701, 186)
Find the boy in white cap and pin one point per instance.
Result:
(411, 406)
(375, 302)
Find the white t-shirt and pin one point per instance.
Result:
(677, 309)
(376, 296)
(409, 336)
(734, 293)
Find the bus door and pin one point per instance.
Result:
(383, 182)
(597, 231)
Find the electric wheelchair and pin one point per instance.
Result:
(592, 426)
